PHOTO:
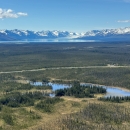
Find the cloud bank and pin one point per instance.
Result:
(9, 13)
(123, 21)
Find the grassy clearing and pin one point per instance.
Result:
(31, 117)
(63, 115)
(89, 113)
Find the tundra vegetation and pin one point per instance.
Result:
(24, 106)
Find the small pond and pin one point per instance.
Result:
(111, 91)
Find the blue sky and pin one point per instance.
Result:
(65, 15)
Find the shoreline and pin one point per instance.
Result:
(128, 90)
(117, 87)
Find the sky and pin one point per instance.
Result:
(64, 15)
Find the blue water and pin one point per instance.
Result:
(111, 91)
(47, 40)
(54, 86)
(58, 86)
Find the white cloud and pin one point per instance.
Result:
(22, 14)
(9, 13)
(123, 21)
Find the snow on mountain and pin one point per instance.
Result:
(39, 34)
(3, 32)
(94, 34)
(120, 34)
(121, 31)
(108, 32)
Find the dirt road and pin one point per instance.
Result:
(54, 68)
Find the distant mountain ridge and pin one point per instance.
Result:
(122, 34)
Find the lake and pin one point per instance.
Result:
(57, 40)
(111, 91)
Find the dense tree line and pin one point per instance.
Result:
(55, 55)
(80, 91)
(17, 99)
(116, 99)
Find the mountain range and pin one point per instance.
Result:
(120, 34)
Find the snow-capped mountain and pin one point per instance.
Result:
(27, 34)
(105, 35)
(106, 32)
(121, 34)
